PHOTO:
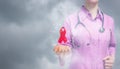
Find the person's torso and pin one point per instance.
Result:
(89, 45)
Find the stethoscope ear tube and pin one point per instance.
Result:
(102, 29)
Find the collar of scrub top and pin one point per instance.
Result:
(100, 15)
(88, 14)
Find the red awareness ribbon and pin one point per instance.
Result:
(62, 37)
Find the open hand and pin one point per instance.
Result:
(61, 49)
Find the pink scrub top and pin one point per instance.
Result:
(88, 45)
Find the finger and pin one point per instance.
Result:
(108, 67)
(68, 50)
(108, 62)
(55, 49)
(58, 50)
(65, 49)
(106, 58)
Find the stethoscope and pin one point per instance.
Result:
(101, 30)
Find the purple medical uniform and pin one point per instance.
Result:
(89, 46)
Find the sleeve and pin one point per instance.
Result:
(112, 45)
(67, 27)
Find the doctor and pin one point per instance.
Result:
(89, 36)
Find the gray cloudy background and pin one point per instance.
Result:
(29, 31)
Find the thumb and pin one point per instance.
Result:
(106, 58)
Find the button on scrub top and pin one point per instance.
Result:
(89, 46)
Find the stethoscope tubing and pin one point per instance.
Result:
(101, 30)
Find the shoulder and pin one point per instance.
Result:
(109, 20)
(69, 19)
(72, 16)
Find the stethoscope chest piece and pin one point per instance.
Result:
(101, 30)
